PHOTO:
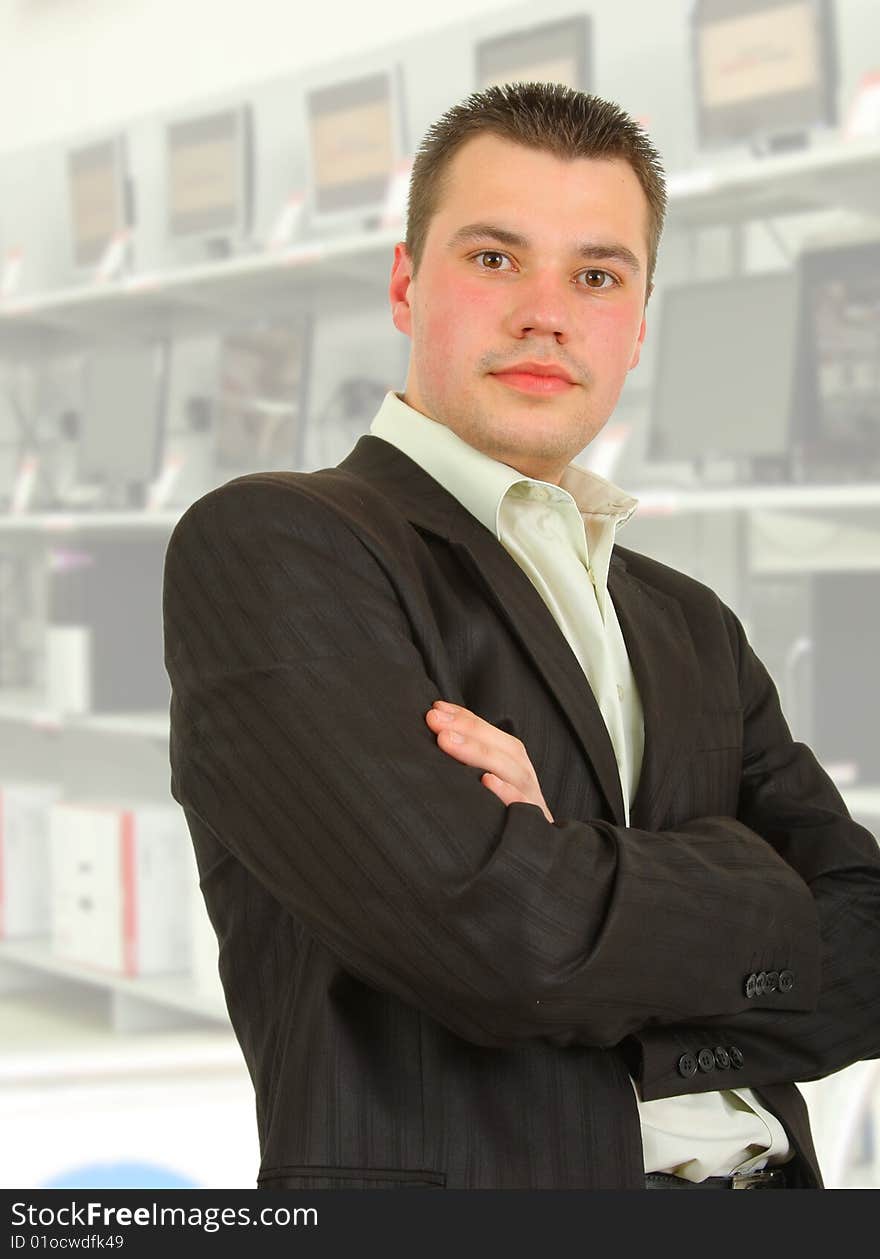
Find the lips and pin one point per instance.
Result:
(535, 378)
(536, 369)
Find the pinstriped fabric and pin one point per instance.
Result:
(404, 959)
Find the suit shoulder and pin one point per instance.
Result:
(298, 499)
(666, 579)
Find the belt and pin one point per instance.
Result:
(771, 1179)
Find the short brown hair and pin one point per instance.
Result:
(548, 116)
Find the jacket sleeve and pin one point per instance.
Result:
(787, 799)
(298, 740)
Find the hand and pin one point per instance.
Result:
(510, 774)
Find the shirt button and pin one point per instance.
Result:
(620, 692)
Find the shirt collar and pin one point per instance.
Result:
(481, 483)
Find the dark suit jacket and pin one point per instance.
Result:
(430, 988)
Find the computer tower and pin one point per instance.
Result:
(817, 635)
(110, 591)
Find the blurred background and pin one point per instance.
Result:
(198, 207)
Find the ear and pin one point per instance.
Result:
(638, 349)
(398, 289)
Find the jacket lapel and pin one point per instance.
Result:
(664, 663)
(518, 603)
(656, 635)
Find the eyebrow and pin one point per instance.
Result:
(590, 250)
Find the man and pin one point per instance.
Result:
(518, 877)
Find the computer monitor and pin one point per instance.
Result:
(765, 71)
(261, 396)
(814, 633)
(40, 408)
(344, 418)
(355, 140)
(124, 393)
(210, 178)
(552, 52)
(100, 198)
(837, 415)
(723, 385)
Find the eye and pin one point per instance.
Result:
(493, 254)
(602, 275)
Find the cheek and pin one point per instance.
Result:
(455, 324)
(613, 331)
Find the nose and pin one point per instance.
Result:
(541, 306)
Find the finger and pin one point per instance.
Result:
(488, 756)
(472, 723)
(502, 752)
(505, 791)
(508, 794)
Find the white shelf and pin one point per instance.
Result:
(839, 174)
(109, 1056)
(798, 542)
(862, 801)
(152, 725)
(316, 274)
(29, 711)
(71, 521)
(174, 992)
(668, 502)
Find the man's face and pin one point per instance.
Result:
(528, 259)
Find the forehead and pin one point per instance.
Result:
(492, 176)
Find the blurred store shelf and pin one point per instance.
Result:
(319, 275)
(326, 274)
(132, 1004)
(85, 521)
(831, 176)
(68, 1038)
(27, 709)
(727, 498)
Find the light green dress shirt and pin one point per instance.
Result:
(562, 537)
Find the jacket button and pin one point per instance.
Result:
(722, 1058)
(706, 1060)
(735, 1055)
(771, 981)
(760, 980)
(750, 984)
(687, 1065)
(786, 980)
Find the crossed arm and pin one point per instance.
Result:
(298, 698)
(848, 925)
